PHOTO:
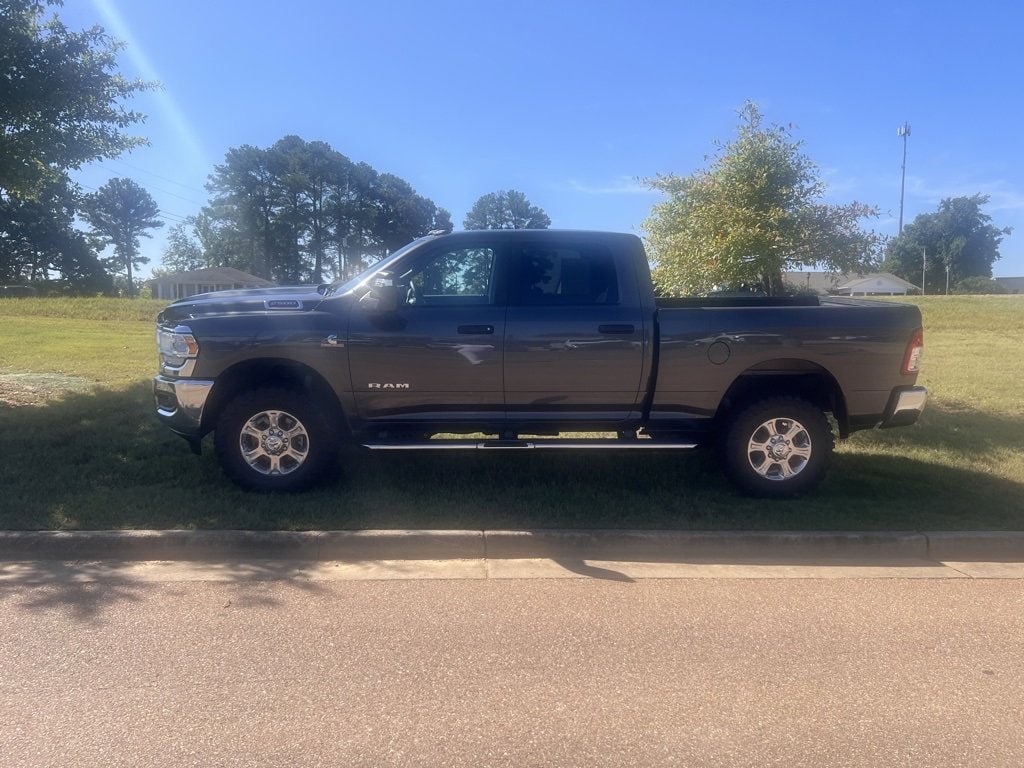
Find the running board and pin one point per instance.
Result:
(519, 445)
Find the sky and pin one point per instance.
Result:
(575, 103)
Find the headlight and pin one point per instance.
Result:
(176, 346)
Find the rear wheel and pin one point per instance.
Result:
(274, 439)
(778, 447)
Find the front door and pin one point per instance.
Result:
(438, 357)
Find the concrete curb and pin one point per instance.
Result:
(977, 546)
(643, 546)
(706, 546)
(231, 545)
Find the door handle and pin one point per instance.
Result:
(476, 330)
(617, 329)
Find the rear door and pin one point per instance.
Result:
(574, 336)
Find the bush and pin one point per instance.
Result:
(978, 286)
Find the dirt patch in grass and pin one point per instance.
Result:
(18, 389)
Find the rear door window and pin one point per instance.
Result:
(556, 275)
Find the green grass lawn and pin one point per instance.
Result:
(80, 448)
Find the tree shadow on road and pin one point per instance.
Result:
(86, 591)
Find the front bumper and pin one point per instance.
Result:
(905, 405)
(180, 403)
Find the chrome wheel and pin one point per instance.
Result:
(779, 449)
(274, 442)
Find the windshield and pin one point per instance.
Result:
(339, 286)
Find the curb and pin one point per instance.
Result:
(977, 546)
(611, 545)
(706, 546)
(232, 545)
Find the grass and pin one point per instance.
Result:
(94, 456)
(98, 308)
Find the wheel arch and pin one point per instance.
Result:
(786, 377)
(254, 374)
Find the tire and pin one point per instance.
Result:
(777, 448)
(274, 439)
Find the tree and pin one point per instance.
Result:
(38, 238)
(984, 286)
(120, 212)
(756, 212)
(506, 209)
(299, 209)
(60, 98)
(184, 251)
(959, 235)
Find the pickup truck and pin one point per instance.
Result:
(525, 338)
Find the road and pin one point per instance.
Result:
(512, 672)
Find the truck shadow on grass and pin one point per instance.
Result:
(101, 460)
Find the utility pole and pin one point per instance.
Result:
(924, 267)
(947, 279)
(904, 131)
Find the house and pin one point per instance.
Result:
(181, 285)
(1011, 284)
(828, 284)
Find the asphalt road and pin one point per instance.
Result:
(582, 672)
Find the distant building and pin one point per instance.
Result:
(828, 284)
(1011, 284)
(181, 285)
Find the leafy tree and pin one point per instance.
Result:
(756, 212)
(243, 206)
(979, 285)
(958, 235)
(38, 238)
(299, 209)
(506, 209)
(183, 252)
(121, 212)
(60, 98)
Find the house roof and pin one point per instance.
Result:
(828, 282)
(1011, 283)
(214, 275)
(863, 281)
(819, 282)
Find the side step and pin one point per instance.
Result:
(607, 444)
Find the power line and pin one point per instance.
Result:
(177, 218)
(156, 175)
(174, 217)
(158, 189)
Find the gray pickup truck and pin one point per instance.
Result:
(525, 338)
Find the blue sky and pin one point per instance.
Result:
(572, 102)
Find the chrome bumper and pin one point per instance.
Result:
(180, 402)
(905, 405)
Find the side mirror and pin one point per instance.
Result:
(382, 296)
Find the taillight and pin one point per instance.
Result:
(912, 358)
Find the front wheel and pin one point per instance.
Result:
(274, 439)
(778, 447)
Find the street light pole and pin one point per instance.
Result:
(904, 131)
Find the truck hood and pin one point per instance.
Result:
(296, 298)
